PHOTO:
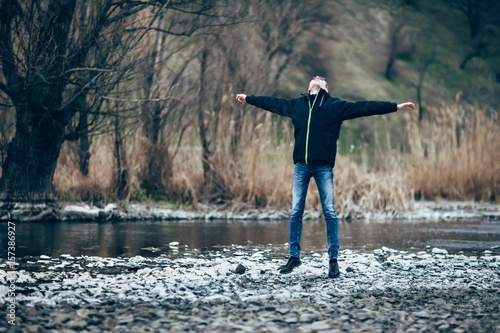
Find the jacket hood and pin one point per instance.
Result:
(321, 93)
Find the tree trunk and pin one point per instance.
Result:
(159, 171)
(419, 103)
(156, 181)
(236, 137)
(121, 177)
(419, 95)
(40, 118)
(31, 158)
(472, 12)
(84, 143)
(201, 119)
(388, 67)
(395, 39)
(158, 177)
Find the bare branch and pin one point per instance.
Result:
(6, 50)
(82, 91)
(4, 88)
(188, 33)
(142, 100)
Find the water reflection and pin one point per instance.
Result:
(131, 238)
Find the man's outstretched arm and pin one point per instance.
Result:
(350, 110)
(281, 106)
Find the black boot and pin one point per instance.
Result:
(333, 269)
(290, 265)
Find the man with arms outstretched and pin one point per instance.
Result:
(317, 118)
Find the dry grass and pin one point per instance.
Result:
(456, 156)
(248, 183)
(370, 191)
(261, 183)
(71, 185)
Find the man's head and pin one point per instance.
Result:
(316, 83)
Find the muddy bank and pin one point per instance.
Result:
(413, 211)
(389, 311)
(239, 289)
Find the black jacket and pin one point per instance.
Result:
(316, 133)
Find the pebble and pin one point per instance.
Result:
(422, 314)
(282, 311)
(320, 325)
(439, 251)
(415, 292)
(240, 269)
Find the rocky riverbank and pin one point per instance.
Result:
(414, 211)
(239, 289)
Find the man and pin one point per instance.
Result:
(317, 117)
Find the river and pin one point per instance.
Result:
(178, 238)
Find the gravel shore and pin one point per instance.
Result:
(239, 289)
(413, 211)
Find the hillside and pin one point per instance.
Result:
(352, 47)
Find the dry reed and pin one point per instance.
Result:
(456, 155)
(263, 184)
(261, 179)
(71, 185)
(359, 190)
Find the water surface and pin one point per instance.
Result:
(152, 238)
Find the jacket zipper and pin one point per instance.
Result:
(309, 122)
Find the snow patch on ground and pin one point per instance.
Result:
(420, 210)
(211, 278)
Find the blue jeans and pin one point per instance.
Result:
(323, 176)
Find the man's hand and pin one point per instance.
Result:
(241, 97)
(406, 106)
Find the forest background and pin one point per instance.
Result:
(134, 101)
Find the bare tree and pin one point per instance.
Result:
(479, 46)
(168, 57)
(121, 177)
(482, 17)
(423, 61)
(233, 59)
(202, 126)
(401, 44)
(51, 56)
(163, 92)
(473, 11)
